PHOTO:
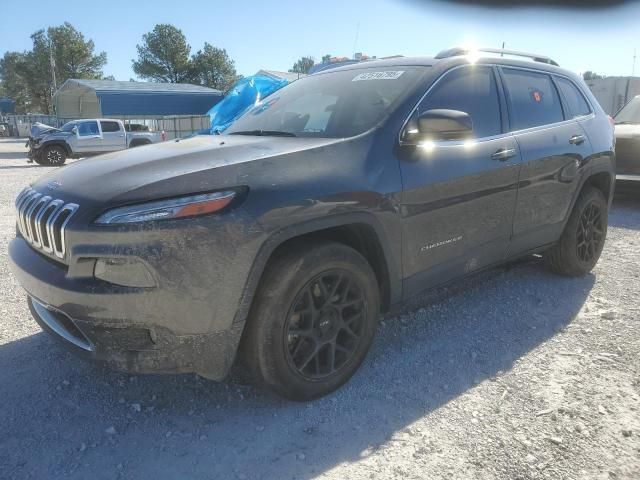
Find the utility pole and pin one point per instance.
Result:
(503, 45)
(355, 41)
(52, 63)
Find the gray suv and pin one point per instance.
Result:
(276, 245)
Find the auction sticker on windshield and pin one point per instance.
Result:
(389, 75)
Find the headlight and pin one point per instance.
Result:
(168, 209)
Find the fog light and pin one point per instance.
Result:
(123, 271)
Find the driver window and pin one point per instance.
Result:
(472, 90)
(88, 128)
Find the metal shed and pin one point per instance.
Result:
(77, 98)
(7, 105)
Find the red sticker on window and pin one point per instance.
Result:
(537, 96)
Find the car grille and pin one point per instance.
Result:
(42, 221)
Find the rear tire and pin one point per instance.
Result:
(583, 238)
(52, 156)
(312, 321)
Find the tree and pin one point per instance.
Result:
(303, 65)
(74, 57)
(14, 83)
(164, 55)
(589, 75)
(213, 68)
(28, 76)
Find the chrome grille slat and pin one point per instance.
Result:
(33, 219)
(28, 207)
(53, 206)
(23, 202)
(71, 208)
(42, 221)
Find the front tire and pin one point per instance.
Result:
(313, 320)
(582, 241)
(52, 156)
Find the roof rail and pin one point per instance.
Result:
(460, 51)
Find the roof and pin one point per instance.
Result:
(449, 61)
(138, 87)
(289, 76)
(137, 98)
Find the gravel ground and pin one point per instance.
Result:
(512, 374)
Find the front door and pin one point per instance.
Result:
(459, 196)
(89, 139)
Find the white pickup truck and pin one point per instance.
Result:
(82, 138)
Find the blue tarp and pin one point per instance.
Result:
(244, 94)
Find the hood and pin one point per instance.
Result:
(40, 129)
(179, 167)
(627, 130)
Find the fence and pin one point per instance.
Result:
(174, 126)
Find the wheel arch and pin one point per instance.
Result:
(360, 231)
(603, 181)
(601, 178)
(139, 142)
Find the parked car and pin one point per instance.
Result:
(83, 138)
(277, 244)
(628, 141)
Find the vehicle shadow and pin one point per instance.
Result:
(18, 167)
(58, 411)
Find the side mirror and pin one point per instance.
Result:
(74, 130)
(445, 125)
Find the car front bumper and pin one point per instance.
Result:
(187, 323)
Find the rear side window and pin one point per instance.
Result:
(108, 127)
(533, 99)
(471, 90)
(576, 104)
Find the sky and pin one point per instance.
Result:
(273, 35)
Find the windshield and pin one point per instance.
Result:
(67, 127)
(336, 104)
(630, 113)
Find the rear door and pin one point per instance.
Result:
(89, 138)
(459, 196)
(554, 150)
(113, 136)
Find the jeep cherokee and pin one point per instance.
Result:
(337, 197)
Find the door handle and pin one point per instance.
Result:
(504, 154)
(577, 140)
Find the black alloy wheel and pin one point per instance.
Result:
(312, 321)
(590, 233)
(324, 326)
(580, 245)
(53, 156)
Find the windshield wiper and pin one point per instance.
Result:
(626, 122)
(264, 133)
